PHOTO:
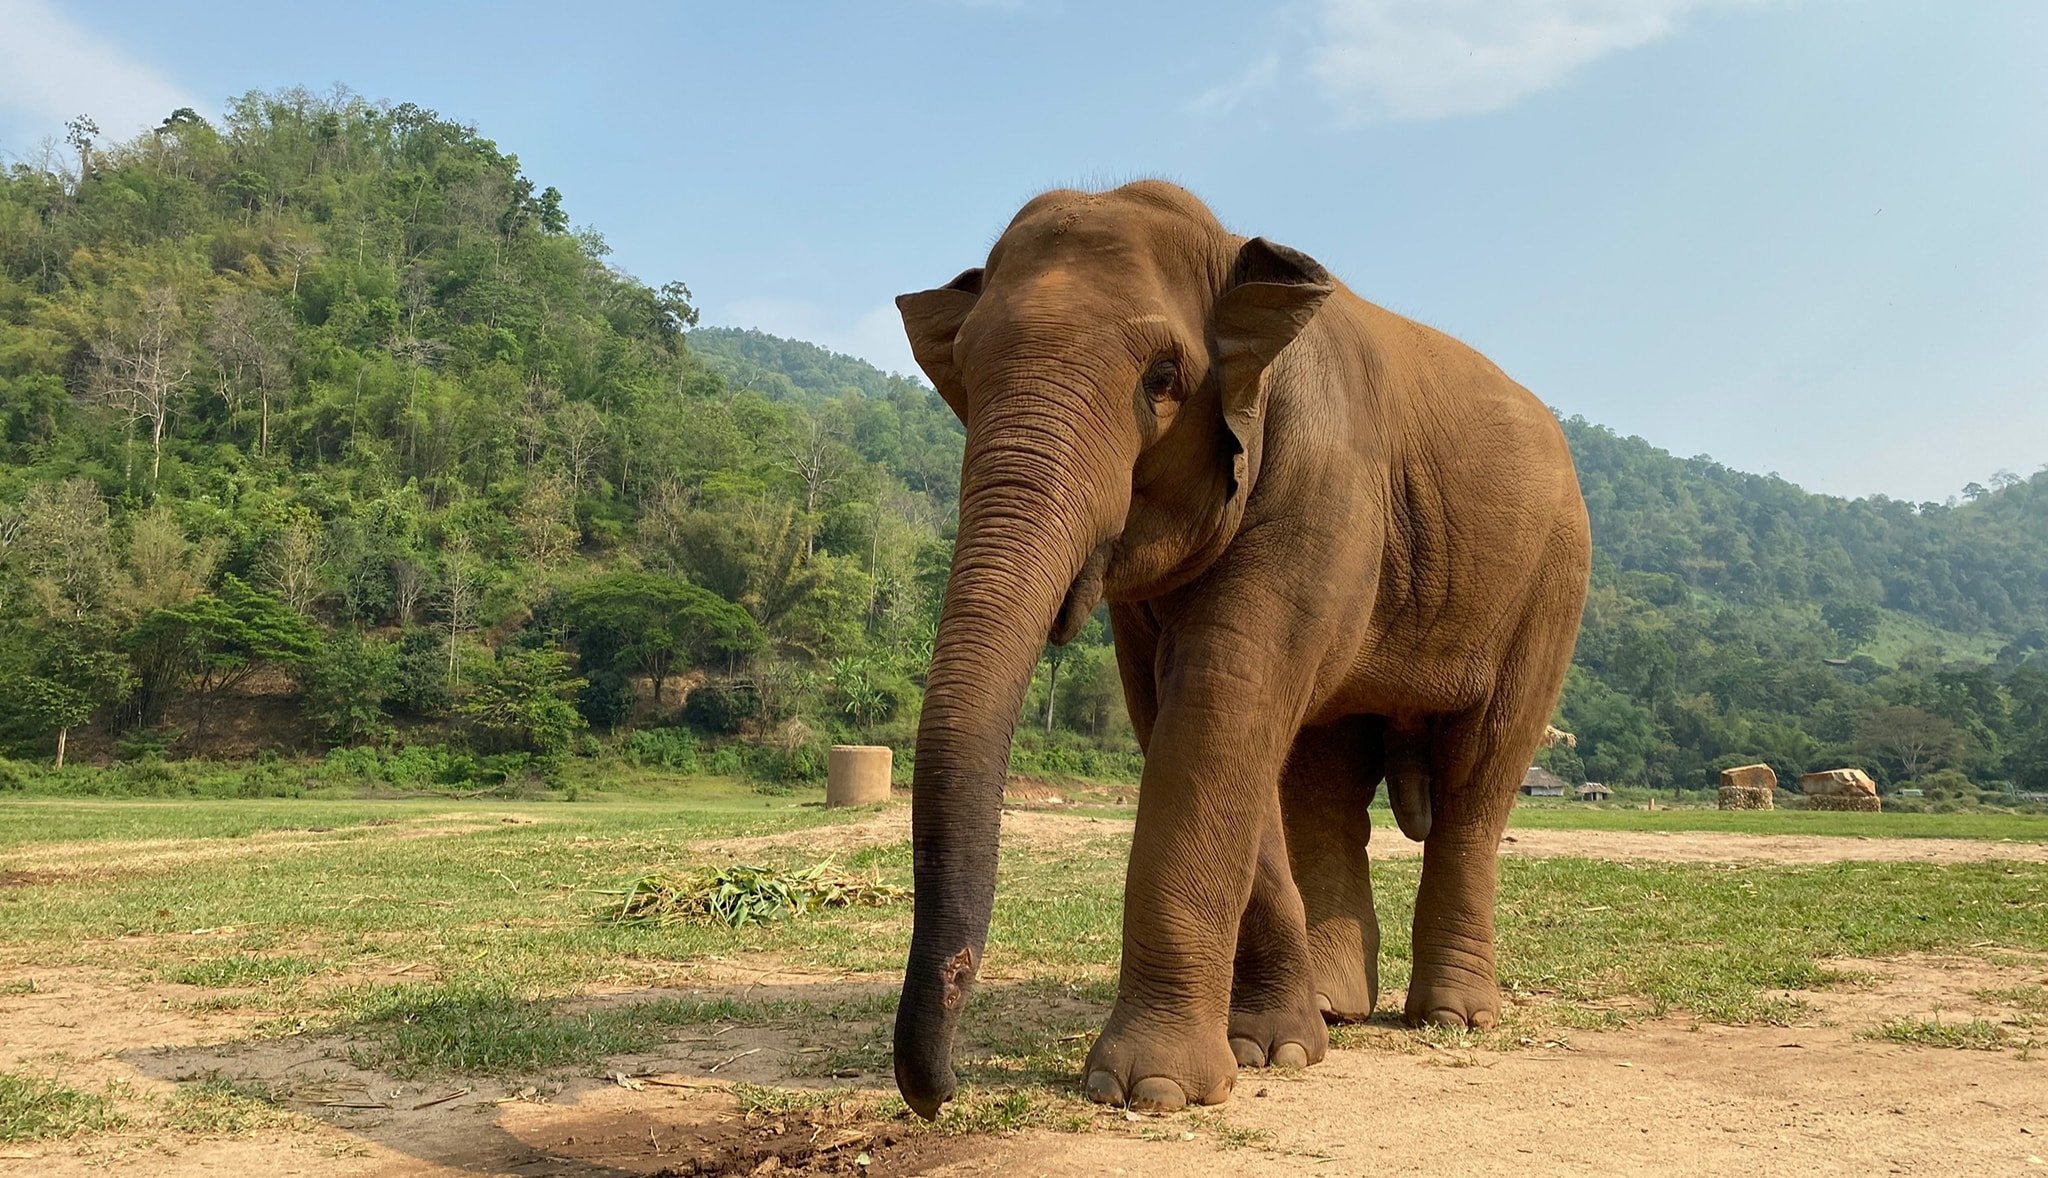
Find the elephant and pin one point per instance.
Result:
(1337, 547)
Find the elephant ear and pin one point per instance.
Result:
(932, 318)
(1270, 296)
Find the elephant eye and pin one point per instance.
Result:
(1160, 378)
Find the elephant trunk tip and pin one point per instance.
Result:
(924, 1035)
(926, 1107)
(925, 1078)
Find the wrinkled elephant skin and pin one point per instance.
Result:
(1338, 547)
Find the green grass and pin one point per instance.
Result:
(241, 969)
(437, 938)
(1975, 1035)
(217, 1106)
(2031, 999)
(413, 1030)
(36, 1109)
(1577, 816)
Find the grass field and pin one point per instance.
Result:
(437, 938)
(1576, 816)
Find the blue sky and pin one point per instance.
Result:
(1803, 236)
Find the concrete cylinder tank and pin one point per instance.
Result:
(857, 774)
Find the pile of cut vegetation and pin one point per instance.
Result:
(743, 895)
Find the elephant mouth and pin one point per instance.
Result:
(1083, 595)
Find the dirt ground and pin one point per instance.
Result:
(1664, 1096)
(1042, 828)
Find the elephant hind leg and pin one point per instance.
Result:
(1273, 1016)
(1478, 760)
(1325, 797)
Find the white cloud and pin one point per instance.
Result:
(1428, 59)
(1221, 100)
(874, 335)
(51, 70)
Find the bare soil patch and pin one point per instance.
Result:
(1661, 1097)
(58, 859)
(1720, 847)
(1051, 829)
(891, 824)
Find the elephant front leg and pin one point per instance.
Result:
(1210, 791)
(1274, 1018)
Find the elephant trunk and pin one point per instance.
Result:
(1028, 550)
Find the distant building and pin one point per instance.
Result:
(1593, 791)
(1542, 783)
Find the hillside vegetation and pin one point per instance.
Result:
(322, 428)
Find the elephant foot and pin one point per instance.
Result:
(1292, 1038)
(1347, 991)
(1446, 999)
(1157, 1069)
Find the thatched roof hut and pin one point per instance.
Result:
(1539, 782)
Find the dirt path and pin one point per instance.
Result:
(1718, 847)
(1050, 828)
(1662, 1097)
(1659, 1097)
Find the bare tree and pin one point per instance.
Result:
(291, 565)
(580, 431)
(408, 585)
(165, 567)
(416, 353)
(67, 546)
(142, 367)
(1917, 740)
(251, 344)
(300, 252)
(535, 416)
(819, 463)
(664, 517)
(461, 588)
(547, 519)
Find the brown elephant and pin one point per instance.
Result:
(1337, 546)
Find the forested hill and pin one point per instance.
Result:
(791, 370)
(321, 426)
(1980, 565)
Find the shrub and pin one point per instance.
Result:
(664, 748)
(346, 686)
(606, 700)
(419, 686)
(721, 708)
(522, 703)
(13, 775)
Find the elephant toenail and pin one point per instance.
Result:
(1157, 1094)
(1104, 1089)
(1249, 1054)
(1442, 1017)
(1290, 1055)
(1324, 1004)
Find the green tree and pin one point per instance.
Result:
(67, 672)
(521, 703)
(211, 645)
(645, 624)
(347, 684)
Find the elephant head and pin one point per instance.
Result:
(1109, 363)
